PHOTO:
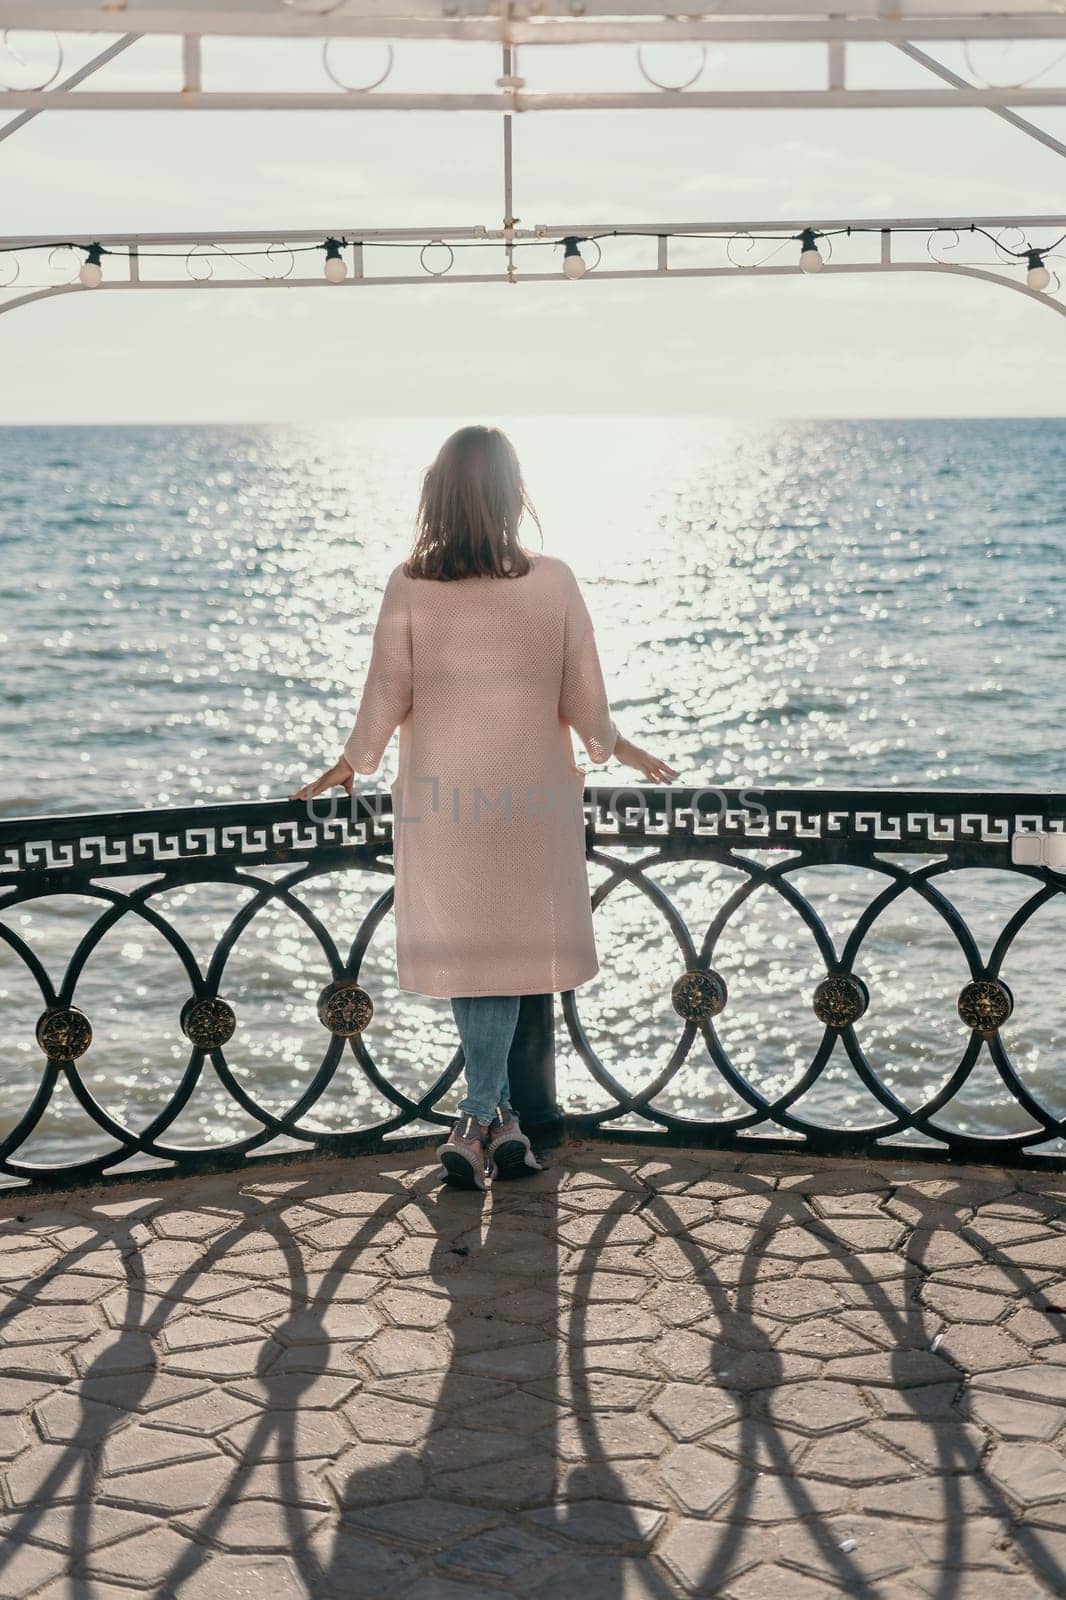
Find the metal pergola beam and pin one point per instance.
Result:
(550, 20)
(1030, 130)
(395, 280)
(71, 82)
(518, 101)
(249, 237)
(135, 252)
(652, 30)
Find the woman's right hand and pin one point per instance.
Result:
(341, 773)
(651, 767)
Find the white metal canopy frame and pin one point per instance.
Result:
(196, 25)
(1015, 253)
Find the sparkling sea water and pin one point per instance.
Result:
(185, 615)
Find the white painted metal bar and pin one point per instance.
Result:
(749, 21)
(243, 285)
(279, 237)
(191, 64)
(836, 64)
(269, 18)
(72, 81)
(640, 100)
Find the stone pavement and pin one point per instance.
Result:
(635, 1375)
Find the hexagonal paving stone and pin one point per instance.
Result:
(184, 1487)
(689, 1409)
(1048, 1381)
(29, 1566)
(380, 1419)
(794, 1299)
(851, 1457)
(244, 1577)
(62, 1472)
(241, 1359)
(505, 1552)
(815, 1407)
(369, 1473)
(594, 1578)
(255, 1526)
(981, 1349)
(682, 1353)
(601, 1522)
(515, 1362)
(528, 1479)
(282, 1389)
(196, 1224)
(429, 1524)
(852, 1551)
(611, 1324)
(468, 1445)
(302, 1435)
(394, 1351)
(408, 1308)
(952, 1446)
(1034, 1474)
(144, 1446)
(18, 1393)
(825, 1338)
(49, 1325)
(705, 1557)
(147, 1558)
(616, 1437)
(1012, 1418)
(345, 1320)
(700, 1480)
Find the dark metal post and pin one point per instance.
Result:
(531, 1070)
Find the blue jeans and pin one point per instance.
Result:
(486, 1024)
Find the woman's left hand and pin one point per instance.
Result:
(340, 774)
(654, 768)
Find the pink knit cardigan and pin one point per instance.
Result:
(485, 677)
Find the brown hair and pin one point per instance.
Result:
(473, 499)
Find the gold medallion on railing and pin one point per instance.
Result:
(64, 1033)
(698, 996)
(840, 999)
(208, 1023)
(345, 1008)
(985, 1004)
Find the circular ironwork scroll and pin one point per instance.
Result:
(431, 272)
(672, 88)
(357, 88)
(208, 1023)
(345, 1008)
(64, 1033)
(985, 1005)
(698, 996)
(841, 999)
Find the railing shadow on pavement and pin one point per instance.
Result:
(514, 1382)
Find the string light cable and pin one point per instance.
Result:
(811, 259)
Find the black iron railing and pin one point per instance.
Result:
(912, 841)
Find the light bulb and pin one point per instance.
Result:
(91, 273)
(1038, 277)
(573, 261)
(336, 268)
(810, 255)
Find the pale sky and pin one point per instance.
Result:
(877, 345)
